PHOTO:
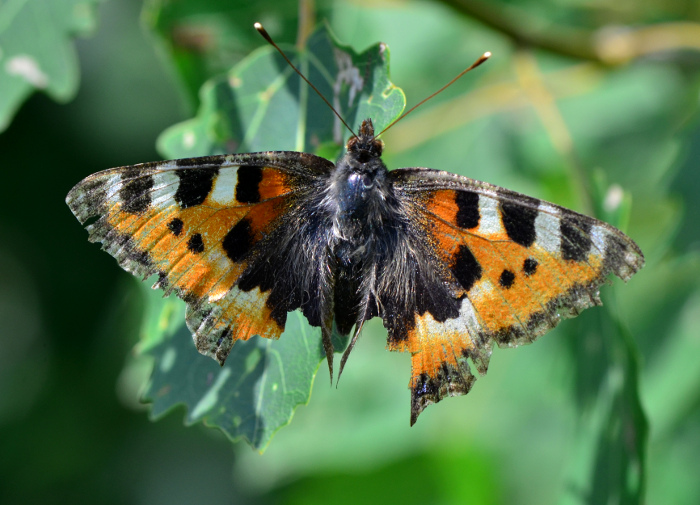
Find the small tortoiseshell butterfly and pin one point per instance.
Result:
(450, 264)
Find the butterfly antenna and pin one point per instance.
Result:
(478, 62)
(267, 37)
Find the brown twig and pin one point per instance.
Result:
(605, 45)
(525, 29)
(307, 22)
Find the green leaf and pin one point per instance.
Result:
(608, 461)
(36, 52)
(262, 105)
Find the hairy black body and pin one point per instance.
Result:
(367, 228)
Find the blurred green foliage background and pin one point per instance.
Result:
(588, 104)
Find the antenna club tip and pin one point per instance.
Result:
(263, 32)
(486, 55)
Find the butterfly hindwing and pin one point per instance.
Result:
(523, 265)
(213, 229)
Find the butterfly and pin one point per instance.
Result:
(451, 265)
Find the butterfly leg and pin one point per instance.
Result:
(326, 332)
(350, 347)
(326, 311)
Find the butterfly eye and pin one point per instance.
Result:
(367, 181)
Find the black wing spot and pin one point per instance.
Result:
(530, 266)
(467, 209)
(195, 185)
(176, 226)
(575, 238)
(519, 222)
(248, 186)
(226, 334)
(238, 241)
(507, 279)
(425, 386)
(162, 280)
(195, 244)
(466, 268)
(135, 192)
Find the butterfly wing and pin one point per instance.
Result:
(220, 231)
(522, 265)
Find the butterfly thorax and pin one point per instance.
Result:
(359, 195)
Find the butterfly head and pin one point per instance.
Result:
(365, 145)
(359, 183)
